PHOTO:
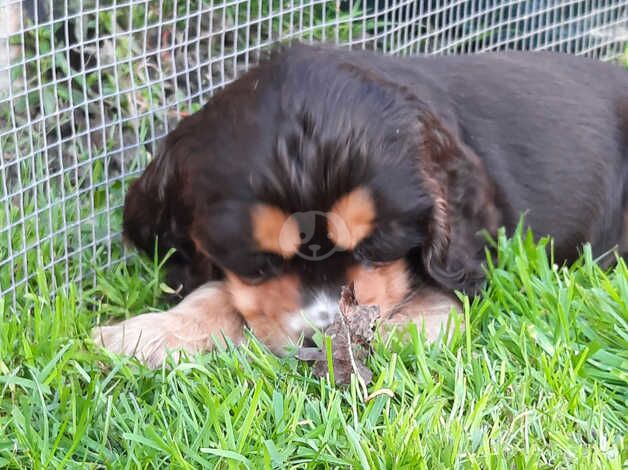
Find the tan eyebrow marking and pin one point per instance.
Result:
(274, 230)
(351, 218)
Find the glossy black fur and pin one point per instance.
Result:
(447, 145)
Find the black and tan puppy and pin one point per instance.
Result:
(321, 167)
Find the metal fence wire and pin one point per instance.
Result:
(88, 88)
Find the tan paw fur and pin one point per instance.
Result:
(203, 317)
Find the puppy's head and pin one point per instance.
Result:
(312, 171)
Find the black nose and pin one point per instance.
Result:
(314, 248)
(326, 316)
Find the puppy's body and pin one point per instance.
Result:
(322, 167)
(552, 132)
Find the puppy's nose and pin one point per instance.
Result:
(320, 309)
(314, 248)
(325, 317)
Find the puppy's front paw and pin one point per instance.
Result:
(430, 309)
(147, 337)
(192, 326)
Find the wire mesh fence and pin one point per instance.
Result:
(88, 88)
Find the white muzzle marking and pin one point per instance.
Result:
(320, 313)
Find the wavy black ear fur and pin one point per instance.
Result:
(464, 205)
(158, 207)
(144, 208)
(463, 196)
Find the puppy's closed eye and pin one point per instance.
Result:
(261, 266)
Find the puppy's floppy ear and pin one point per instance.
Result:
(460, 195)
(161, 204)
(464, 204)
(145, 204)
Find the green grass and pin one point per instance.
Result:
(538, 380)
